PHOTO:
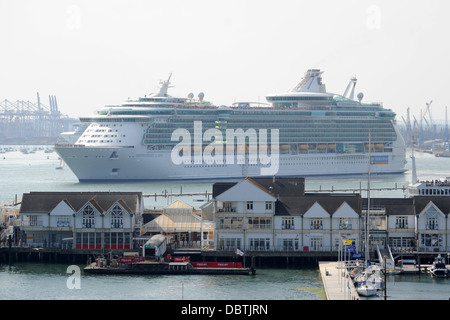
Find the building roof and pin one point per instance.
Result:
(44, 202)
(442, 202)
(178, 204)
(275, 186)
(282, 186)
(392, 206)
(297, 205)
(409, 206)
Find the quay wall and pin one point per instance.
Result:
(261, 258)
(77, 256)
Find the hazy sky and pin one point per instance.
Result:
(97, 52)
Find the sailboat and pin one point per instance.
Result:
(367, 290)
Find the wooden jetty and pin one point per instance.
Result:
(337, 282)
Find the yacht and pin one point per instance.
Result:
(439, 269)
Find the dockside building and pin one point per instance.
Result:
(80, 220)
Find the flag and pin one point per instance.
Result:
(348, 242)
(239, 252)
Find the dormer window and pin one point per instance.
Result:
(117, 217)
(88, 217)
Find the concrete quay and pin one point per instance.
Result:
(337, 282)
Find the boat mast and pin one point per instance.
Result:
(366, 255)
(413, 164)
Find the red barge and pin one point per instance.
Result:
(162, 263)
(179, 265)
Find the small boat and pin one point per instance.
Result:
(367, 290)
(439, 269)
(368, 281)
(372, 275)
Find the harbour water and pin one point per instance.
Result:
(21, 173)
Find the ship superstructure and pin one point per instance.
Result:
(304, 132)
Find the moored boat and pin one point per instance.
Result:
(140, 266)
(439, 269)
(367, 290)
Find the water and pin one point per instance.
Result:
(49, 281)
(21, 173)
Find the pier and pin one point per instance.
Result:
(207, 194)
(359, 190)
(337, 282)
(166, 194)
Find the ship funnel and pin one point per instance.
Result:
(311, 82)
(350, 90)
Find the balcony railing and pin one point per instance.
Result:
(432, 226)
(226, 210)
(280, 248)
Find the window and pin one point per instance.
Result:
(316, 244)
(249, 205)
(401, 222)
(401, 242)
(269, 205)
(229, 243)
(33, 220)
(432, 224)
(259, 244)
(288, 244)
(345, 224)
(88, 217)
(116, 217)
(259, 223)
(62, 222)
(227, 207)
(431, 240)
(432, 219)
(287, 223)
(230, 223)
(316, 224)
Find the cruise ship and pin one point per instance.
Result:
(306, 131)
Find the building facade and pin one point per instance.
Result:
(276, 215)
(80, 220)
(181, 222)
(259, 214)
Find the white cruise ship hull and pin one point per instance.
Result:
(317, 133)
(129, 164)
